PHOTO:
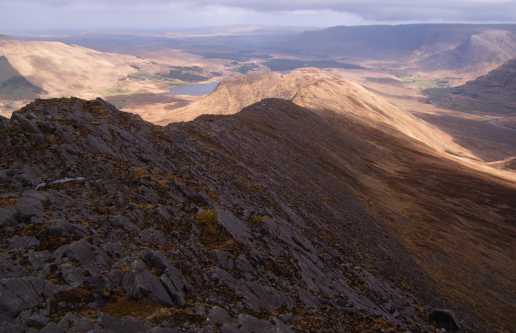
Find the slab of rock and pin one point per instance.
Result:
(23, 243)
(17, 295)
(171, 277)
(140, 283)
(7, 215)
(30, 205)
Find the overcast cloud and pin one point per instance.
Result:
(34, 15)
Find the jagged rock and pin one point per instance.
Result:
(4, 122)
(171, 277)
(444, 319)
(174, 286)
(39, 259)
(7, 216)
(23, 242)
(90, 258)
(30, 204)
(156, 260)
(63, 228)
(17, 295)
(141, 283)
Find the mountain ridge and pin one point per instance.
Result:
(227, 208)
(319, 90)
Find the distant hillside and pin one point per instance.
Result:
(65, 70)
(494, 93)
(487, 47)
(433, 46)
(15, 87)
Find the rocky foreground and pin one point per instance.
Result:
(255, 222)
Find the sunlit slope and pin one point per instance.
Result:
(66, 70)
(319, 90)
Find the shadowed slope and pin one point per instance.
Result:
(459, 224)
(13, 86)
(273, 219)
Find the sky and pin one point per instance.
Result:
(135, 15)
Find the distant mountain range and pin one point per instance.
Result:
(424, 46)
(431, 46)
(494, 93)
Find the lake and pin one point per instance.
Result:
(195, 89)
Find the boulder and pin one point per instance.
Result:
(141, 283)
(17, 295)
(170, 276)
(30, 205)
(7, 215)
(23, 243)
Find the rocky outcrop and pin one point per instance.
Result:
(222, 224)
(3, 122)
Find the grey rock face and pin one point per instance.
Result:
(30, 205)
(23, 243)
(4, 122)
(21, 294)
(140, 283)
(7, 215)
